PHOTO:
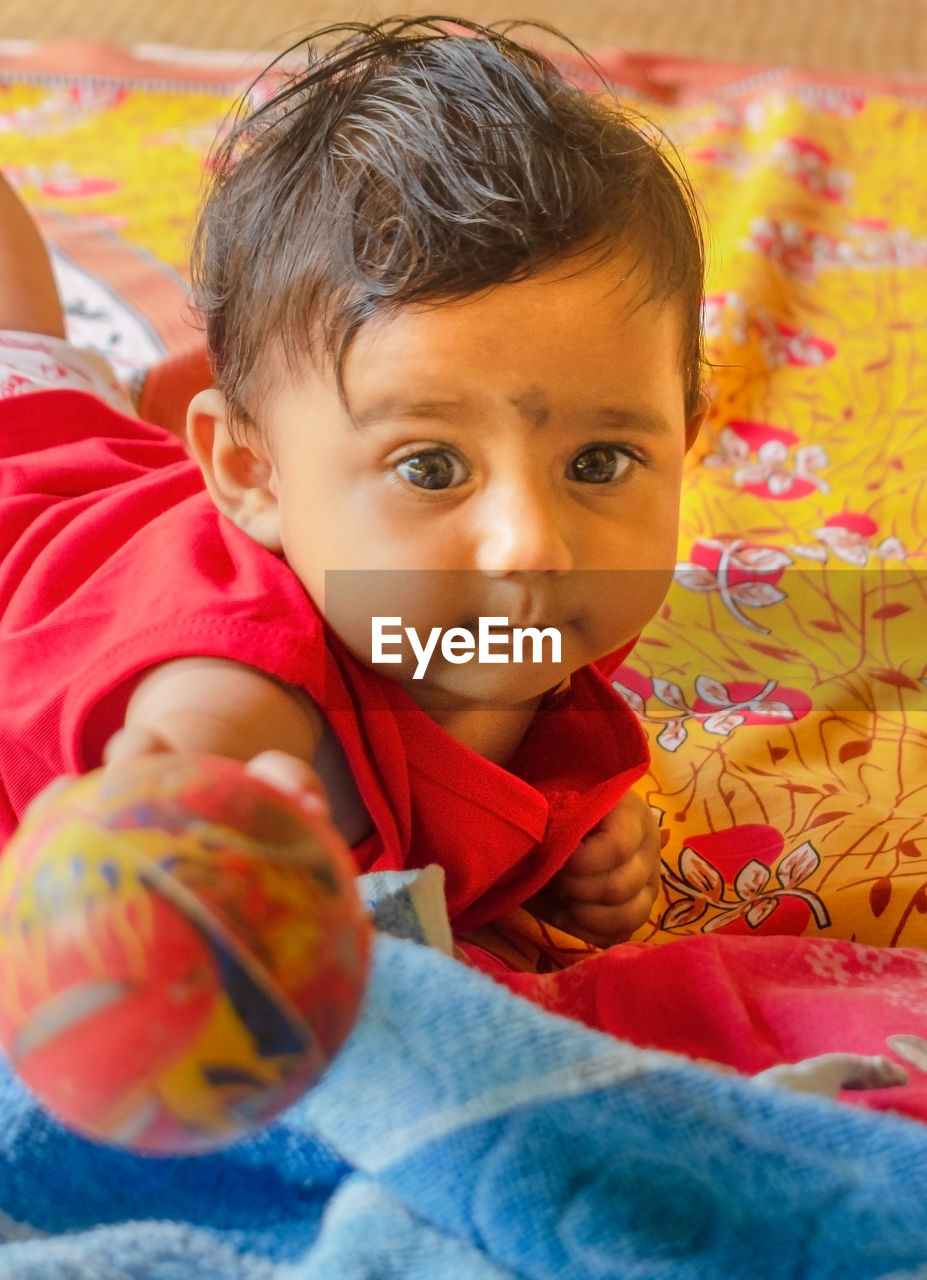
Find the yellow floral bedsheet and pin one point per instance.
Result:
(783, 683)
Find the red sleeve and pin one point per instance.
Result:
(113, 559)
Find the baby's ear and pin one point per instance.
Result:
(695, 420)
(238, 471)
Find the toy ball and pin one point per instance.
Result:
(182, 952)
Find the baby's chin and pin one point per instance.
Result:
(503, 688)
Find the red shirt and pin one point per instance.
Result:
(113, 559)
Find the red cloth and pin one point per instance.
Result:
(750, 1002)
(113, 559)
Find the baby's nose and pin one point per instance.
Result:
(522, 531)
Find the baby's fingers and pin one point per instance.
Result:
(602, 850)
(132, 741)
(294, 777)
(619, 840)
(604, 925)
(617, 884)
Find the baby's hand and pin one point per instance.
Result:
(606, 889)
(294, 777)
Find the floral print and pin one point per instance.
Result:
(747, 900)
(718, 708)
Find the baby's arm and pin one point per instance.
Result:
(217, 706)
(28, 295)
(194, 704)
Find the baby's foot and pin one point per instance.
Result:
(831, 1072)
(912, 1048)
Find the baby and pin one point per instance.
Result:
(452, 306)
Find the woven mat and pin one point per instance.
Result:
(889, 36)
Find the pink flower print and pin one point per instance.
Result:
(732, 156)
(637, 690)
(798, 251)
(876, 244)
(634, 687)
(722, 707)
(771, 475)
(780, 344)
(29, 343)
(737, 880)
(849, 536)
(728, 119)
(58, 111)
(740, 437)
(13, 384)
(832, 100)
(811, 165)
(869, 225)
(54, 371)
(719, 708)
(722, 310)
(60, 182)
(783, 345)
(197, 138)
(786, 244)
(68, 185)
(744, 575)
(97, 97)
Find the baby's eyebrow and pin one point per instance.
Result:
(535, 407)
(647, 421)
(390, 408)
(532, 404)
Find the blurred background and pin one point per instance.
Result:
(886, 36)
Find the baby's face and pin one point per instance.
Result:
(517, 454)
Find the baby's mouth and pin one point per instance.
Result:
(508, 624)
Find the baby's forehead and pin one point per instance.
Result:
(595, 359)
(591, 300)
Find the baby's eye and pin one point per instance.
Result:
(432, 469)
(599, 464)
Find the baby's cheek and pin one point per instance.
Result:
(641, 591)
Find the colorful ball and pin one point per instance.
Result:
(182, 952)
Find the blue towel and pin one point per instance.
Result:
(463, 1134)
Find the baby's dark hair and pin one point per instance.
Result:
(421, 160)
